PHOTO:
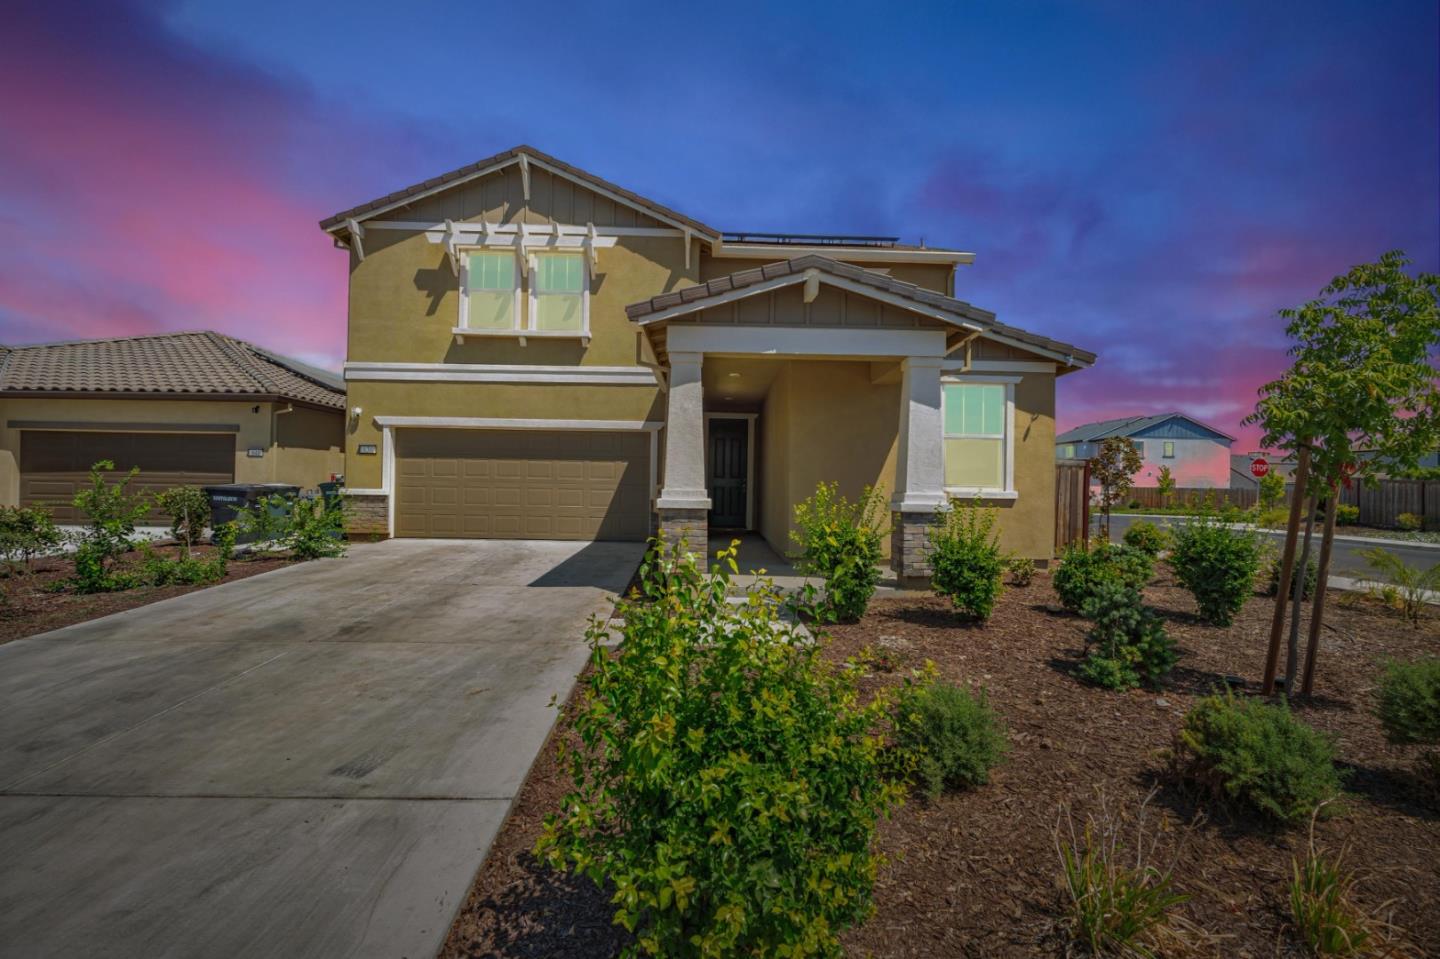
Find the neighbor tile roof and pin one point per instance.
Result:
(399, 196)
(879, 281)
(1127, 426)
(180, 363)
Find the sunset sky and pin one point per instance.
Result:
(1151, 181)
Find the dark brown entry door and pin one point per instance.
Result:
(729, 469)
(55, 464)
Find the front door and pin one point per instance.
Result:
(728, 470)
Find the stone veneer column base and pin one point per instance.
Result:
(910, 548)
(367, 514)
(690, 526)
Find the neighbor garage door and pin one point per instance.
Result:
(55, 464)
(514, 484)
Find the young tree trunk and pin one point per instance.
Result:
(1297, 594)
(1317, 605)
(1287, 566)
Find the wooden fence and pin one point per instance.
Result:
(1072, 502)
(1381, 504)
(1149, 497)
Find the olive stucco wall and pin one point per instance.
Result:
(302, 447)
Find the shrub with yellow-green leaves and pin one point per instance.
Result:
(727, 780)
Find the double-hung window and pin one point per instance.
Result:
(559, 300)
(490, 299)
(977, 419)
(1168, 450)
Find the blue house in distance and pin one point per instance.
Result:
(1198, 454)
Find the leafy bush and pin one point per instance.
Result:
(1409, 702)
(955, 738)
(1347, 515)
(840, 541)
(1403, 586)
(25, 533)
(1257, 754)
(188, 570)
(110, 513)
(306, 527)
(1147, 538)
(966, 561)
(189, 510)
(1081, 572)
(727, 780)
(1128, 644)
(1021, 570)
(1272, 577)
(1118, 905)
(1410, 522)
(1217, 564)
(1272, 491)
(1273, 518)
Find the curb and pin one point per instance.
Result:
(1339, 538)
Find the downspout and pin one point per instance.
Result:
(275, 415)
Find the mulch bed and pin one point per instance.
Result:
(40, 601)
(976, 874)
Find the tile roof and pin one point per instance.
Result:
(399, 196)
(1128, 426)
(179, 363)
(879, 281)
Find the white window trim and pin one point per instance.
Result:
(533, 268)
(464, 324)
(1007, 441)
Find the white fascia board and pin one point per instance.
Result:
(486, 423)
(498, 373)
(805, 341)
(999, 366)
(773, 252)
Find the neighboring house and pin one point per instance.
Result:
(535, 352)
(1198, 455)
(186, 408)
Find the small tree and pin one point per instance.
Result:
(25, 533)
(1363, 378)
(111, 512)
(1165, 484)
(1114, 468)
(1272, 490)
(189, 510)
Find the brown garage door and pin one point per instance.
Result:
(55, 464)
(515, 484)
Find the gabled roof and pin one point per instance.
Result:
(198, 363)
(1130, 426)
(502, 159)
(694, 298)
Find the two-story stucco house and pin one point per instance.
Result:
(536, 352)
(1198, 454)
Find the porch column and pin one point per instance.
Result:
(684, 504)
(919, 470)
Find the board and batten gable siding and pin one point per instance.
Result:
(500, 198)
(929, 276)
(831, 307)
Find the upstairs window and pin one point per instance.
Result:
(976, 420)
(491, 292)
(559, 297)
(1168, 450)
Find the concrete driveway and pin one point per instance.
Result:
(309, 762)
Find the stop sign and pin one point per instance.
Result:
(1259, 467)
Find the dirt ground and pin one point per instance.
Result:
(976, 873)
(40, 601)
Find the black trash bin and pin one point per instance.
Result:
(227, 501)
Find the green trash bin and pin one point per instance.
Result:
(228, 500)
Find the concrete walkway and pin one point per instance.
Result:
(309, 762)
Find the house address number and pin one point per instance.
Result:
(366, 449)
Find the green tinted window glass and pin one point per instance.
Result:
(492, 271)
(974, 409)
(560, 273)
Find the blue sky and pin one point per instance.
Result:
(1151, 181)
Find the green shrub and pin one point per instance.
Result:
(1127, 645)
(840, 541)
(1347, 515)
(306, 527)
(1217, 564)
(727, 780)
(1410, 522)
(1081, 572)
(1272, 577)
(25, 533)
(189, 510)
(1409, 702)
(1147, 538)
(1276, 518)
(966, 561)
(1256, 754)
(1272, 492)
(1323, 910)
(189, 570)
(110, 512)
(1119, 901)
(1403, 586)
(1021, 570)
(956, 738)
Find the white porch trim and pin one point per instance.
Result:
(685, 435)
(498, 373)
(920, 450)
(805, 341)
